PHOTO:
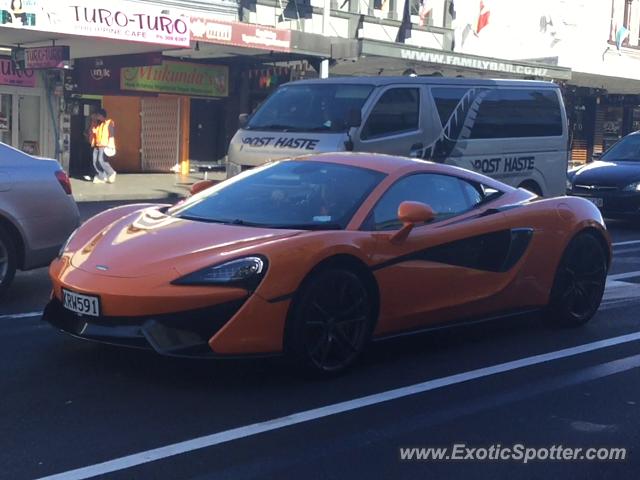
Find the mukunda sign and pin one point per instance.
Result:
(180, 78)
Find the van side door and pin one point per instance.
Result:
(394, 122)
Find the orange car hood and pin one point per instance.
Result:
(149, 242)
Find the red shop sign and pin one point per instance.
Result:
(212, 30)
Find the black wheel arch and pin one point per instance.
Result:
(598, 235)
(354, 264)
(532, 186)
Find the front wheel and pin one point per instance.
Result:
(579, 282)
(330, 322)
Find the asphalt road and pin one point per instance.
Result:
(69, 405)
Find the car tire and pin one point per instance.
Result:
(330, 322)
(579, 282)
(8, 260)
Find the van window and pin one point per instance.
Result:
(448, 196)
(310, 108)
(510, 113)
(398, 110)
(447, 100)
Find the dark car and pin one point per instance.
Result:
(612, 182)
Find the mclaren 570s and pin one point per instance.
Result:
(314, 257)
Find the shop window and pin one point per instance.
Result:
(398, 110)
(5, 119)
(513, 113)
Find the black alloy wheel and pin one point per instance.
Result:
(331, 321)
(8, 260)
(580, 281)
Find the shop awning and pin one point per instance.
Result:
(376, 57)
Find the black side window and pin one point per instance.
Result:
(447, 100)
(510, 113)
(448, 196)
(398, 110)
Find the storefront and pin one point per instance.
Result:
(165, 111)
(24, 107)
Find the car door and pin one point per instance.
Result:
(445, 269)
(394, 124)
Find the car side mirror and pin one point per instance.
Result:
(354, 118)
(243, 120)
(596, 156)
(201, 185)
(411, 214)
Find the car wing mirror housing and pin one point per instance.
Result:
(243, 120)
(411, 214)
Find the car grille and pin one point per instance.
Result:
(595, 188)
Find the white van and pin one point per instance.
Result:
(512, 130)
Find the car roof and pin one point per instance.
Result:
(395, 165)
(449, 81)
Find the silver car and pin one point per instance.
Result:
(37, 212)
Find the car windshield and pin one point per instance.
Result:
(290, 194)
(310, 108)
(627, 149)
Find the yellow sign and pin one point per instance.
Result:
(179, 78)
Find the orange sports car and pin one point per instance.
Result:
(314, 257)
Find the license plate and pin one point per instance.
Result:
(596, 201)
(81, 304)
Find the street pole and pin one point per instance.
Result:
(326, 15)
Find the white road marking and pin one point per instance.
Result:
(226, 436)
(629, 242)
(20, 315)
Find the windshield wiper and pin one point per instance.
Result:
(200, 219)
(284, 128)
(308, 226)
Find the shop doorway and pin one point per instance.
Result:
(80, 154)
(21, 122)
(207, 132)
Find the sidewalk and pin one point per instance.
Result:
(139, 186)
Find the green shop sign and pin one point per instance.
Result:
(179, 78)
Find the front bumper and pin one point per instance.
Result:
(183, 334)
(615, 204)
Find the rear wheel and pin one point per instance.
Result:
(580, 281)
(8, 260)
(330, 322)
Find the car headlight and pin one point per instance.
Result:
(243, 272)
(66, 243)
(632, 187)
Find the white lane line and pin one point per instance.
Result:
(20, 315)
(621, 244)
(226, 436)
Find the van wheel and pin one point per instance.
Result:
(8, 260)
(532, 186)
(330, 322)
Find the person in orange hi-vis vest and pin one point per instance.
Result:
(103, 140)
